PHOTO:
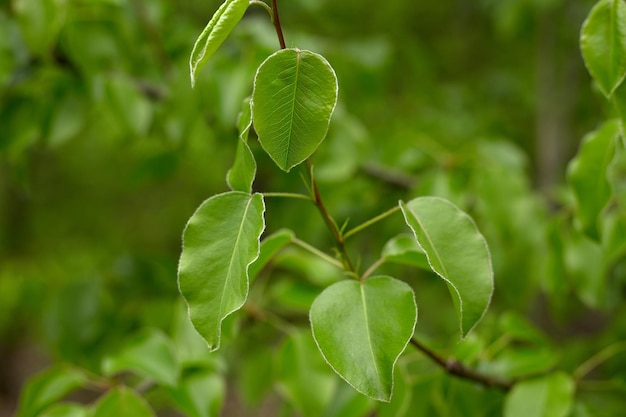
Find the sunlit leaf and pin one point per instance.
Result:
(241, 176)
(547, 396)
(150, 354)
(603, 44)
(122, 402)
(294, 96)
(219, 243)
(215, 32)
(587, 174)
(456, 251)
(362, 328)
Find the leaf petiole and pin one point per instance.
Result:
(370, 222)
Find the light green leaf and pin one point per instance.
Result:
(270, 246)
(241, 176)
(400, 404)
(403, 249)
(362, 328)
(40, 22)
(215, 32)
(587, 175)
(603, 44)
(547, 396)
(616, 173)
(48, 387)
(295, 93)
(347, 402)
(66, 410)
(150, 354)
(303, 376)
(219, 243)
(456, 251)
(200, 394)
(122, 402)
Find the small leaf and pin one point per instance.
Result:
(295, 93)
(200, 394)
(603, 44)
(122, 402)
(456, 251)
(66, 410)
(547, 396)
(215, 32)
(587, 175)
(47, 388)
(362, 328)
(241, 176)
(403, 249)
(150, 354)
(219, 243)
(270, 246)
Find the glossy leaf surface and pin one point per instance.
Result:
(241, 176)
(456, 251)
(603, 44)
(547, 396)
(587, 174)
(219, 243)
(362, 328)
(294, 96)
(122, 402)
(215, 32)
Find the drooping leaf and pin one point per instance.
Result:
(403, 249)
(456, 251)
(200, 394)
(214, 34)
(122, 402)
(270, 246)
(241, 175)
(303, 377)
(362, 328)
(587, 175)
(47, 387)
(295, 93)
(150, 354)
(219, 243)
(546, 396)
(603, 44)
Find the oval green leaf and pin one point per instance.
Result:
(122, 402)
(215, 32)
(241, 175)
(456, 251)
(603, 44)
(587, 175)
(295, 93)
(546, 396)
(362, 328)
(403, 249)
(270, 246)
(219, 243)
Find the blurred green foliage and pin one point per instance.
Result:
(105, 152)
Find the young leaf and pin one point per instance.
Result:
(270, 246)
(241, 176)
(587, 176)
(219, 243)
(122, 402)
(603, 44)
(546, 396)
(149, 353)
(456, 251)
(295, 93)
(47, 388)
(215, 32)
(362, 328)
(403, 249)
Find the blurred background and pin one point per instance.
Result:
(106, 151)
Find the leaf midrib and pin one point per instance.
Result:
(293, 108)
(367, 332)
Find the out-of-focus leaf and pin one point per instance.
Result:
(400, 403)
(122, 402)
(66, 410)
(403, 249)
(200, 394)
(270, 246)
(547, 396)
(241, 176)
(40, 21)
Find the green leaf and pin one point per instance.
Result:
(215, 32)
(400, 404)
(362, 328)
(122, 402)
(303, 376)
(47, 388)
(295, 93)
(219, 243)
(148, 353)
(456, 251)
(200, 394)
(241, 176)
(547, 396)
(603, 44)
(270, 246)
(40, 22)
(403, 249)
(66, 410)
(587, 175)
